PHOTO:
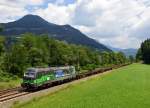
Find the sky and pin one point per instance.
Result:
(116, 23)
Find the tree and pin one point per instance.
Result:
(2, 51)
(145, 51)
(139, 55)
(2, 46)
(28, 40)
(131, 58)
(15, 61)
(121, 57)
(104, 58)
(1, 28)
(35, 57)
(113, 58)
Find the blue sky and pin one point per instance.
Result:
(117, 23)
(30, 8)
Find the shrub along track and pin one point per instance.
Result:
(10, 94)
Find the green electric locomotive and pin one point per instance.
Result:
(37, 77)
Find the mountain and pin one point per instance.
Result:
(127, 52)
(37, 25)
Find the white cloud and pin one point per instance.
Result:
(119, 23)
(56, 14)
(35, 2)
(10, 13)
(11, 10)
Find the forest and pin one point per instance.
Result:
(31, 50)
(143, 53)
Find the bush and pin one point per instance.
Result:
(7, 77)
(89, 67)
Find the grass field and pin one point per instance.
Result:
(127, 87)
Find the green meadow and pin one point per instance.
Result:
(127, 87)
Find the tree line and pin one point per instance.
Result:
(31, 50)
(144, 52)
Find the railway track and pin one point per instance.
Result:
(9, 94)
(9, 90)
(9, 97)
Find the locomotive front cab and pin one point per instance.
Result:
(29, 79)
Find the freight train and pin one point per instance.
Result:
(38, 77)
(44, 77)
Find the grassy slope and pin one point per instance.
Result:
(9, 84)
(128, 87)
(8, 81)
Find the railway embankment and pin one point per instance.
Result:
(30, 96)
(22, 97)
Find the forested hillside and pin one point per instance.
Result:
(37, 25)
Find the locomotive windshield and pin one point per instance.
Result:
(30, 73)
